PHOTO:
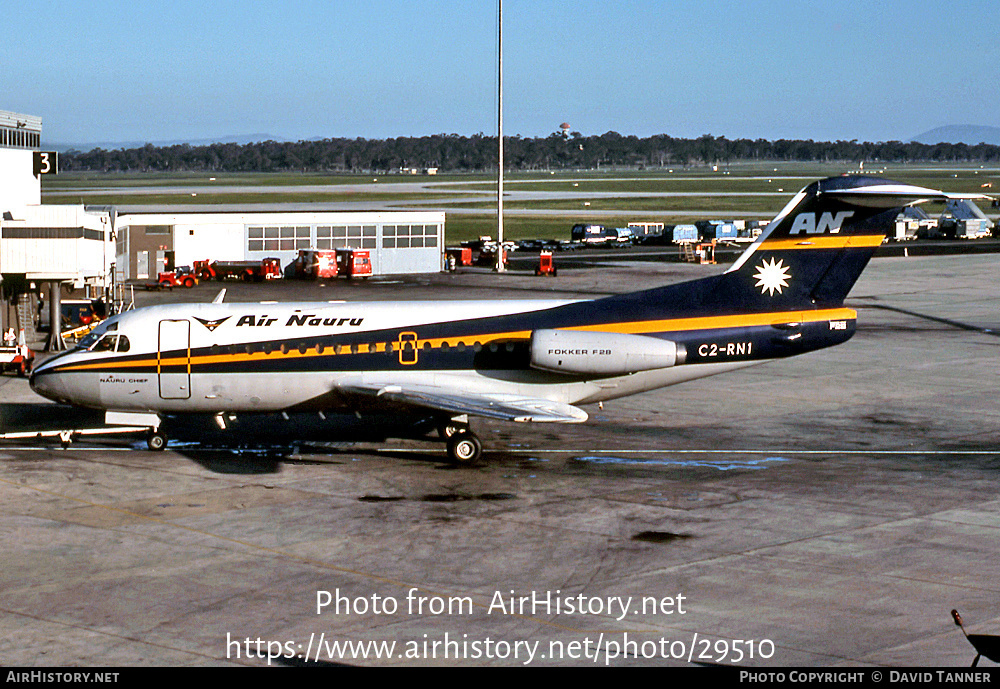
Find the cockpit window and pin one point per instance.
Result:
(105, 344)
(93, 336)
(110, 343)
(88, 341)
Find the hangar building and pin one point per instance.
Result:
(399, 241)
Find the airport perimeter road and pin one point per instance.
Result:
(828, 510)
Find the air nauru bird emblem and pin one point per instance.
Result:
(772, 276)
(212, 325)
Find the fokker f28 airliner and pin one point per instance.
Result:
(437, 363)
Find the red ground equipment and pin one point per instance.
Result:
(14, 354)
(462, 255)
(248, 271)
(354, 263)
(313, 264)
(545, 265)
(180, 277)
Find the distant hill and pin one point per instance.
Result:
(971, 134)
(116, 145)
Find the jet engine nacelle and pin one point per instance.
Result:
(601, 354)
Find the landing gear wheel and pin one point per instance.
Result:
(156, 440)
(464, 448)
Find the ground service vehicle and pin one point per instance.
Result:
(312, 264)
(353, 263)
(248, 271)
(593, 234)
(74, 313)
(14, 353)
(179, 277)
(462, 255)
(545, 265)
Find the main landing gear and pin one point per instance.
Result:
(464, 446)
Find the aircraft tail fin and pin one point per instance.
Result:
(813, 252)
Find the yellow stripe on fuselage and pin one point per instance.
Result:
(742, 320)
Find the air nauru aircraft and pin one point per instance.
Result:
(437, 363)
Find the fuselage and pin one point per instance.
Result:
(265, 357)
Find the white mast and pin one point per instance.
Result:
(500, 265)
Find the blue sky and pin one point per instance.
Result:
(154, 71)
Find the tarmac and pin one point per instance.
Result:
(827, 510)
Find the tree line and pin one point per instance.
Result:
(477, 153)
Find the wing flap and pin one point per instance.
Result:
(494, 405)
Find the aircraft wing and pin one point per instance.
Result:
(504, 406)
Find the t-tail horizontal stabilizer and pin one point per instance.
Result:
(812, 253)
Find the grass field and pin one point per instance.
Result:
(542, 204)
(230, 198)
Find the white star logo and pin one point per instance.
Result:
(772, 276)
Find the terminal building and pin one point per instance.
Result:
(20, 138)
(43, 248)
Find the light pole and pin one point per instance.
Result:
(500, 264)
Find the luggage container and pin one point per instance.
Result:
(683, 234)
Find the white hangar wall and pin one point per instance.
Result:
(399, 241)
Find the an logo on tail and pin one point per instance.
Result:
(772, 276)
(827, 222)
(211, 325)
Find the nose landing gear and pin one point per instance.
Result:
(156, 439)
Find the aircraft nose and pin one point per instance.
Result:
(47, 382)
